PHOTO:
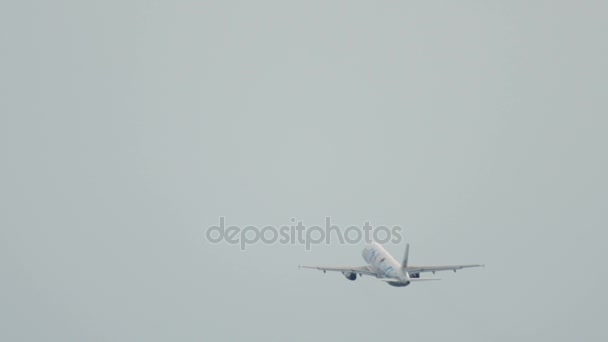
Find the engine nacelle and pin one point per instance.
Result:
(350, 275)
(414, 275)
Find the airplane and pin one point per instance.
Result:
(383, 266)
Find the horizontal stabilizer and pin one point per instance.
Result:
(390, 280)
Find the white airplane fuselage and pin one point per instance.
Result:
(385, 265)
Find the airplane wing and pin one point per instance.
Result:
(418, 269)
(358, 269)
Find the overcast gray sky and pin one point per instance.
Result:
(128, 127)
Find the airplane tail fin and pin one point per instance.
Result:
(407, 251)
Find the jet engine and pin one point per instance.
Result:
(350, 275)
